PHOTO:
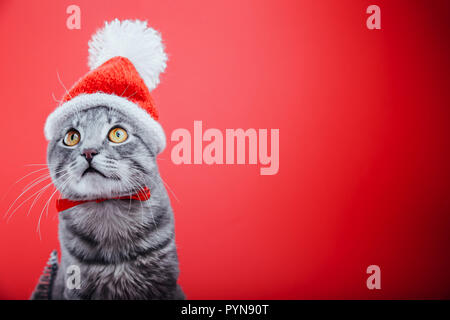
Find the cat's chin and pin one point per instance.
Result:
(92, 172)
(94, 186)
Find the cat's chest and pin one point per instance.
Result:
(105, 242)
(108, 282)
(106, 221)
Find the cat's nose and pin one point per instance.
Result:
(89, 154)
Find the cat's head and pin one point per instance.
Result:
(101, 153)
(104, 136)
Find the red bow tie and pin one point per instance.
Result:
(64, 204)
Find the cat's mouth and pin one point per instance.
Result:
(92, 170)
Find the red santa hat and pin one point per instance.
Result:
(125, 60)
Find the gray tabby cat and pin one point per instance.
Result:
(124, 248)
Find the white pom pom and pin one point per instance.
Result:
(133, 40)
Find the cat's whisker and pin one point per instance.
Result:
(170, 189)
(132, 183)
(40, 178)
(66, 182)
(18, 207)
(47, 175)
(11, 187)
(29, 174)
(39, 221)
(25, 191)
(131, 95)
(62, 84)
(125, 90)
(54, 98)
(34, 201)
(38, 228)
(129, 186)
(47, 204)
(140, 188)
(132, 188)
(36, 181)
(142, 208)
(23, 202)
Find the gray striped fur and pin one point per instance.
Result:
(125, 249)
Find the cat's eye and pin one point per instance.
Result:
(118, 135)
(72, 138)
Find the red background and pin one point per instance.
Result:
(364, 150)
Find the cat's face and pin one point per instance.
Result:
(98, 153)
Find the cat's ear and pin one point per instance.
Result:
(133, 40)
